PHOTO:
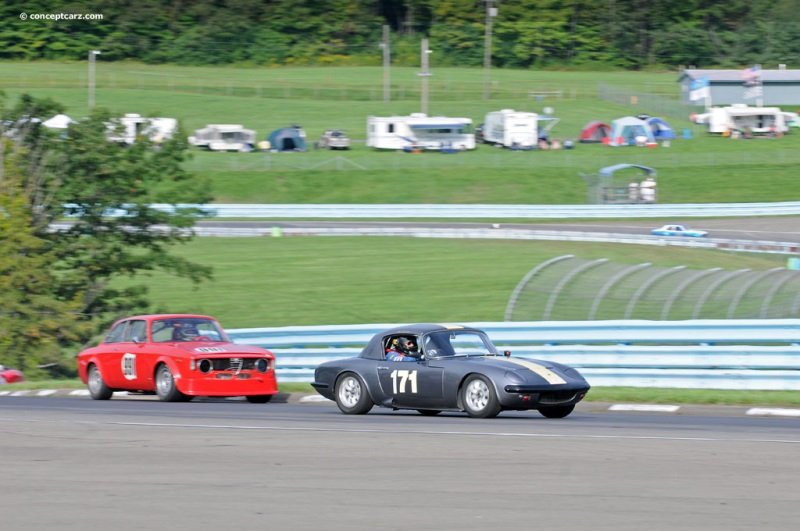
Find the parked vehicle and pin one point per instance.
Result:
(746, 120)
(509, 128)
(516, 129)
(131, 127)
(333, 139)
(419, 132)
(224, 137)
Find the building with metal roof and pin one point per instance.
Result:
(726, 87)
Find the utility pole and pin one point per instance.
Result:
(491, 12)
(92, 55)
(760, 78)
(387, 60)
(425, 74)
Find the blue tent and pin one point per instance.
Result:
(661, 129)
(625, 130)
(287, 139)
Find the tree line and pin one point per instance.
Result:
(580, 34)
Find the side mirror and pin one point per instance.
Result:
(507, 353)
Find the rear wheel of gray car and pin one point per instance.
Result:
(166, 389)
(478, 398)
(351, 395)
(556, 412)
(98, 389)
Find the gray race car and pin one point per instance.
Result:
(447, 368)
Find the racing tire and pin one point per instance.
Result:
(351, 395)
(428, 412)
(258, 399)
(556, 412)
(166, 389)
(479, 398)
(98, 389)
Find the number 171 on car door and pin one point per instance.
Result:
(400, 380)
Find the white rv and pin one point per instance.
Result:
(420, 131)
(509, 128)
(133, 126)
(742, 118)
(224, 137)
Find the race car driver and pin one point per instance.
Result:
(402, 349)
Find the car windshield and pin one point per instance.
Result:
(458, 343)
(187, 329)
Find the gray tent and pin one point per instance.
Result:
(625, 130)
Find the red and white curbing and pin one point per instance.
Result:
(774, 411)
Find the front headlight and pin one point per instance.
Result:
(262, 365)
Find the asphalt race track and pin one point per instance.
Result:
(132, 464)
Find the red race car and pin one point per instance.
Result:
(177, 357)
(8, 375)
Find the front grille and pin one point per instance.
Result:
(233, 364)
(557, 397)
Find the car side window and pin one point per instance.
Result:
(438, 345)
(406, 346)
(117, 334)
(137, 331)
(162, 331)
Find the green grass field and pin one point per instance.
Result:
(703, 169)
(261, 282)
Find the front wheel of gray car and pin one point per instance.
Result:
(351, 395)
(479, 398)
(556, 412)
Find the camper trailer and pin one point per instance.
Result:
(224, 137)
(133, 126)
(420, 131)
(743, 118)
(508, 128)
(516, 129)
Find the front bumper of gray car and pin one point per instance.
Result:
(530, 396)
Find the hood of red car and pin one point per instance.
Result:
(204, 348)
